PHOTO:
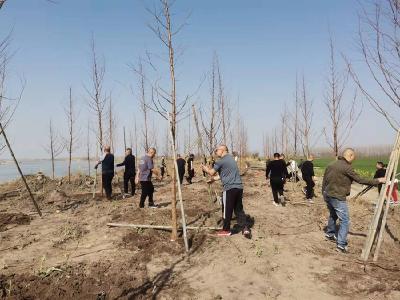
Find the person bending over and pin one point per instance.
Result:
(232, 198)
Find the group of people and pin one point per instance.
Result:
(225, 169)
(336, 184)
(181, 162)
(336, 187)
(143, 174)
(277, 172)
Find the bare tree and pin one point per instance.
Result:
(284, 139)
(72, 139)
(97, 98)
(224, 105)
(379, 46)
(8, 106)
(306, 117)
(211, 127)
(293, 122)
(136, 142)
(144, 106)
(88, 147)
(242, 140)
(343, 114)
(112, 124)
(55, 147)
(275, 141)
(165, 102)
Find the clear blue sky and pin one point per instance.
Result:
(261, 45)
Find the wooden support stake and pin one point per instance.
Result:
(376, 220)
(384, 218)
(19, 170)
(179, 186)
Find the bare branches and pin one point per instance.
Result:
(343, 114)
(72, 139)
(144, 106)
(111, 124)
(88, 147)
(223, 103)
(306, 116)
(379, 45)
(284, 130)
(212, 123)
(8, 103)
(166, 103)
(55, 146)
(97, 98)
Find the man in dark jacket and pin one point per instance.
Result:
(107, 171)
(336, 186)
(277, 172)
(163, 167)
(307, 172)
(181, 167)
(130, 171)
(380, 172)
(190, 167)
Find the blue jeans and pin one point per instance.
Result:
(338, 210)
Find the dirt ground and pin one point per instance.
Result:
(71, 253)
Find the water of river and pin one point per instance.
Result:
(8, 170)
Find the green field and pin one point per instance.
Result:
(363, 166)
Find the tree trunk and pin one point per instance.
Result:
(19, 170)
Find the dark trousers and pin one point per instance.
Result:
(276, 187)
(190, 176)
(106, 179)
(309, 187)
(232, 202)
(181, 174)
(129, 178)
(162, 171)
(147, 191)
(380, 187)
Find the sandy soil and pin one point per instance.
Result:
(71, 253)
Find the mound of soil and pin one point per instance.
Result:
(104, 280)
(13, 218)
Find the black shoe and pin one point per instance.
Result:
(342, 249)
(330, 237)
(246, 233)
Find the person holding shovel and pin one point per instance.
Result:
(336, 186)
(146, 170)
(107, 171)
(232, 198)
